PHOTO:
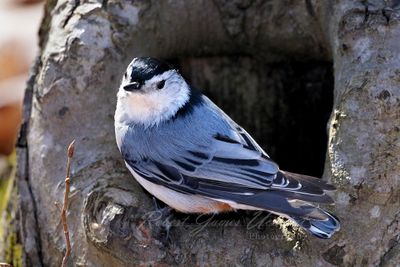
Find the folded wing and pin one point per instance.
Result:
(235, 169)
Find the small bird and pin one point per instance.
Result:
(189, 154)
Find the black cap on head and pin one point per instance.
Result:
(145, 68)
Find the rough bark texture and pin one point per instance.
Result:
(228, 48)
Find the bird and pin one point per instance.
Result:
(186, 152)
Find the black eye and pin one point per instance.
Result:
(125, 75)
(161, 84)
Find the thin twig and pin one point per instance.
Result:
(70, 154)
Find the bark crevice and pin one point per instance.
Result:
(28, 220)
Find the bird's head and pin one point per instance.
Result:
(151, 91)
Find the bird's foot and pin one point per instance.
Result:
(162, 217)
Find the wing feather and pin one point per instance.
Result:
(234, 168)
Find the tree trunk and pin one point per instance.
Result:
(238, 52)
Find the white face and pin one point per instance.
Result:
(150, 104)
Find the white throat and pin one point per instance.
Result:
(152, 106)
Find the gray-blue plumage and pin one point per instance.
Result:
(200, 142)
(201, 151)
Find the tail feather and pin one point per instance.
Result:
(302, 187)
(300, 183)
(323, 198)
(317, 182)
(291, 195)
(300, 191)
(319, 228)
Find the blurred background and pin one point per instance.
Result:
(19, 24)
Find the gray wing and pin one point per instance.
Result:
(235, 170)
(230, 166)
(232, 160)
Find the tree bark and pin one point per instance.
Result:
(238, 52)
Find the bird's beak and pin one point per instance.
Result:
(134, 86)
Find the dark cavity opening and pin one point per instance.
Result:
(284, 106)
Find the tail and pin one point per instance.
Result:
(319, 228)
(291, 195)
(301, 188)
(295, 197)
